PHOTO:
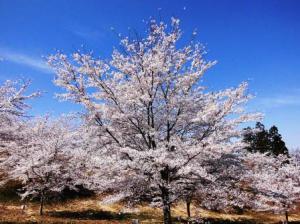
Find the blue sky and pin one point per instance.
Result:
(256, 41)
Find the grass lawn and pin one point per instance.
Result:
(92, 211)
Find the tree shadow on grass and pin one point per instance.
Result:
(218, 221)
(90, 215)
(242, 221)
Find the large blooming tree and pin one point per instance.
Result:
(153, 115)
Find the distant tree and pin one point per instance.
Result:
(13, 113)
(257, 138)
(13, 107)
(221, 189)
(262, 140)
(13, 98)
(277, 145)
(227, 191)
(43, 160)
(275, 180)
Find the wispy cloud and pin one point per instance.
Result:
(89, 34)
(291, 98)
(25, 59)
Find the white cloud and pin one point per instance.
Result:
(24, 59)
(292, 98)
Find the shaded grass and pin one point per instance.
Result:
(8, 192)
(90, 214)
(108, 216)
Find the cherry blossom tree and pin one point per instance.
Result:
(223, 189)
(13, 108)
(295, 153)
(13, 97)
(42, 161)
(276, 182)
(153, 115)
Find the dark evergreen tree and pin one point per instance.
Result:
(277, 144)
(262, 140)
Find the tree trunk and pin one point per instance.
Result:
(167, 214)
(41, 204)
(286, 217)
(188, 208)
(166, 205)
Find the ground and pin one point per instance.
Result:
(92, 211)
